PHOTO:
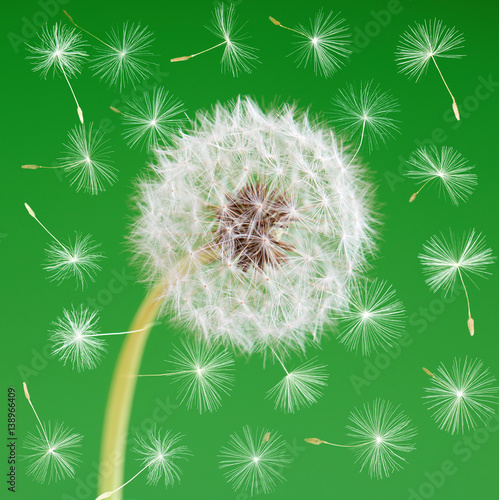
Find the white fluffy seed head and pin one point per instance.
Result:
(287, 226)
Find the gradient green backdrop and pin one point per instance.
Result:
(37, 115)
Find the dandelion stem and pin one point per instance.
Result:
(438, 379)
(121, 392)
(360, 144)
(413, 197)
(78, 109)
(454, 104)
(277, 23)
(90, 34)
(471, 323)
(185, 58)
(36, 414)
(30, 211)
(120, 333)
(320, 441)
(279, 359)
(35, 167)
(107, 494)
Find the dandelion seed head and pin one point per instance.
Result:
(160, 451)
(382, 434)
(324, 44)
(60, 49)
(73, 338)
(78, 259)
(125, 56)
(462, 397)
(443, 259)
(452, 171)
(423, 42)
(280, 259)
(367, 110)
(53, 453)
(86, 160)
(252, 462)
(237, 55)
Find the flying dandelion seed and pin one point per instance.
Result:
(426, 42)
(203, 372)
(448, 167)
(60, 49)
(366, 111)
(462, 396)
(76, 339)
(325, 44)
(266, 208)
(381, 434)
(444, 261)
(252, 462)
(237, 56)
(152, 119)
(374, 318)
(300, 387)
(159, 454)
(53, 450)
(123, 54)
(78, 260)
(86, 160)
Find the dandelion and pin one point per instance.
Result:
(152, 119)
(448, 167)
(253, 461)
(159, 454)
(60, 49)
(445, 260)
(54, 450)
(300, 387)
(381, 435)
(123, 54)
(203, 372)
(78, 260)
(237, 56)
(374, 318)
(253, 233)
(426, 42)
(366, 111)
(76, 338)
(460, 397)
(86, 160)
(325, 44)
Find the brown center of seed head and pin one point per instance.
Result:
(247, 227)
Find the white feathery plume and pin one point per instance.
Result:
(366, 111)
(122, 55)
(152, 119)
(237, 56)
(445, 260)
(204, 372)
(325, 44)
(159, 454)
(86, 160)
(447, 166)
(256, 224)
(60, 49)
(300, 387)
(461, 397)
(76, 338)
(53, 450)
(374, 318)
(78, 260)
(253, 462)
(425, 42)
(381, 435)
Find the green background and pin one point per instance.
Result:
(37, 115)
